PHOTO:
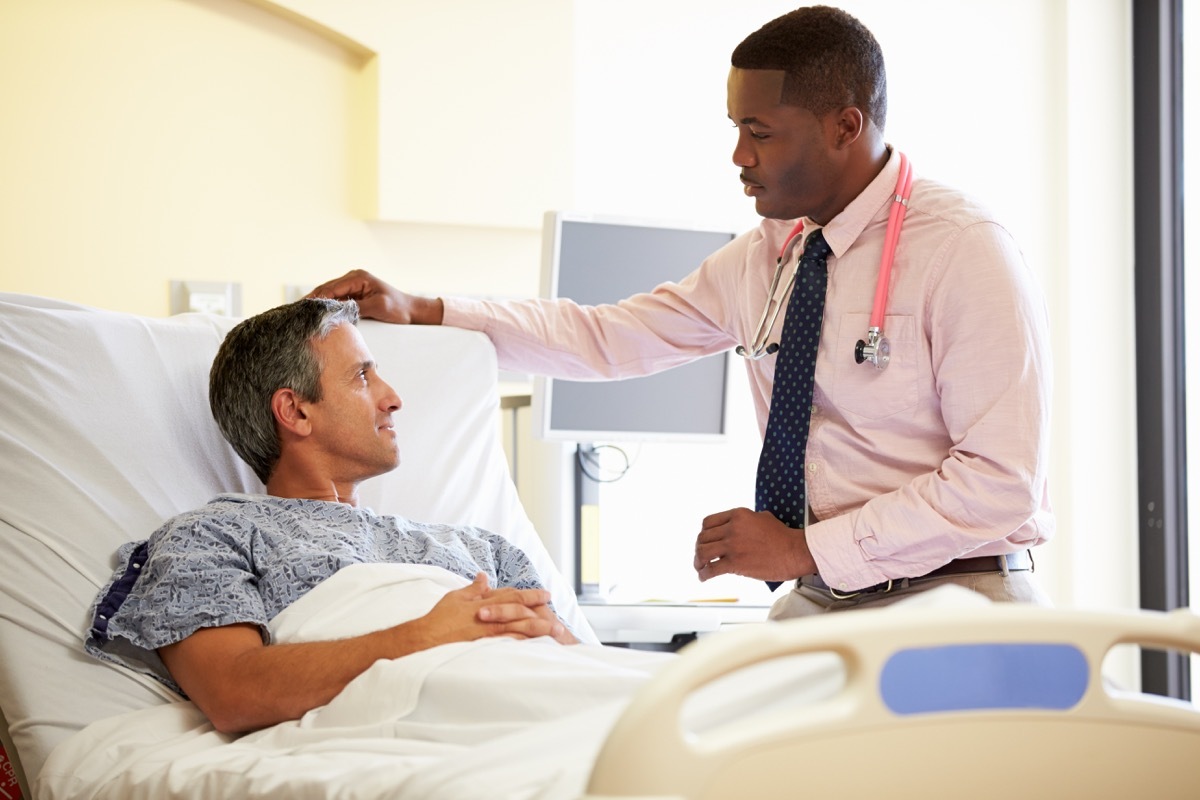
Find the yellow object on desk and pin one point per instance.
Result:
(696, 600)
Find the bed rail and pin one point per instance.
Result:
(972, 702)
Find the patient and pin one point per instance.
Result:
(297, 394)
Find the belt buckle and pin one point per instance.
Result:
(838, 596)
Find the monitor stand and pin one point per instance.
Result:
(587, 526)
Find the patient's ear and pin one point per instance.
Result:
(290, 413)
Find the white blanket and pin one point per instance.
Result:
(495, 718)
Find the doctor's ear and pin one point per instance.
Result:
(290, 412)
(848, 125)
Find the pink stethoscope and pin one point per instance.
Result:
(875, 348)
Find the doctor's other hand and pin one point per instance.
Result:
(751, 543)
(379, 300)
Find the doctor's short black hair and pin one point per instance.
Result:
(830, 58)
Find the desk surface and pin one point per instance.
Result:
(660, 622)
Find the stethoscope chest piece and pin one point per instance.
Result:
(875, 349)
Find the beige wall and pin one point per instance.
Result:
(150, 140)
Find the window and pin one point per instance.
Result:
(1191, 270)
(1159, 230)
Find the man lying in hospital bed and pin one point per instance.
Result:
(296, 393)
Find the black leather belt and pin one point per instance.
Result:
(979, 565)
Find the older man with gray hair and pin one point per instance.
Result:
(297, 394)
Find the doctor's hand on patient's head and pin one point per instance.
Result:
(379, 300)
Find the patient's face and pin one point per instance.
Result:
(352, 424)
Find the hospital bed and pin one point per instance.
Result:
(105, 432)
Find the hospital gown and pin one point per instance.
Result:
(245, 558)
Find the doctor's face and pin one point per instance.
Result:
(353, 419)
(783, 151)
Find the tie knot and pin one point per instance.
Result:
(816, 246)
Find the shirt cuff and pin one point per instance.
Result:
(841, 563)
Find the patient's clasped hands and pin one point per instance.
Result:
(477, 611)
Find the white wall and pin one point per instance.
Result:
(145, 140)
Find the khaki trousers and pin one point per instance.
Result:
(1016, 587)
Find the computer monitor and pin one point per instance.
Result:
(592, 261)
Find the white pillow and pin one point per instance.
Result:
(105, 432)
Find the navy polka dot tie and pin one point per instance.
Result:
(780, 486)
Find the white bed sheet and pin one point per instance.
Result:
(496, 718)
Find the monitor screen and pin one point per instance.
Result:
(594, 261)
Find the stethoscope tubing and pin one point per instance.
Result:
(891, 239)
(759, 348)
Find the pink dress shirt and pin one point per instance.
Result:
(942, 455)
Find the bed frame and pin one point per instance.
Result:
(990, 701)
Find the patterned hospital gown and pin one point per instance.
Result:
(245, 558)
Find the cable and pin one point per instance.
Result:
(590, 457)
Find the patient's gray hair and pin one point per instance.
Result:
(267, 352)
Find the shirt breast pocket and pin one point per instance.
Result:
(865, 391)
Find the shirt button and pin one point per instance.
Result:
(812, 467)
(842, 586)
(137, 566)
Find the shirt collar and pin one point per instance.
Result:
(871, 204)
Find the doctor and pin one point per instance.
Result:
(902, 460)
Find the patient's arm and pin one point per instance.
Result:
(242, 684)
